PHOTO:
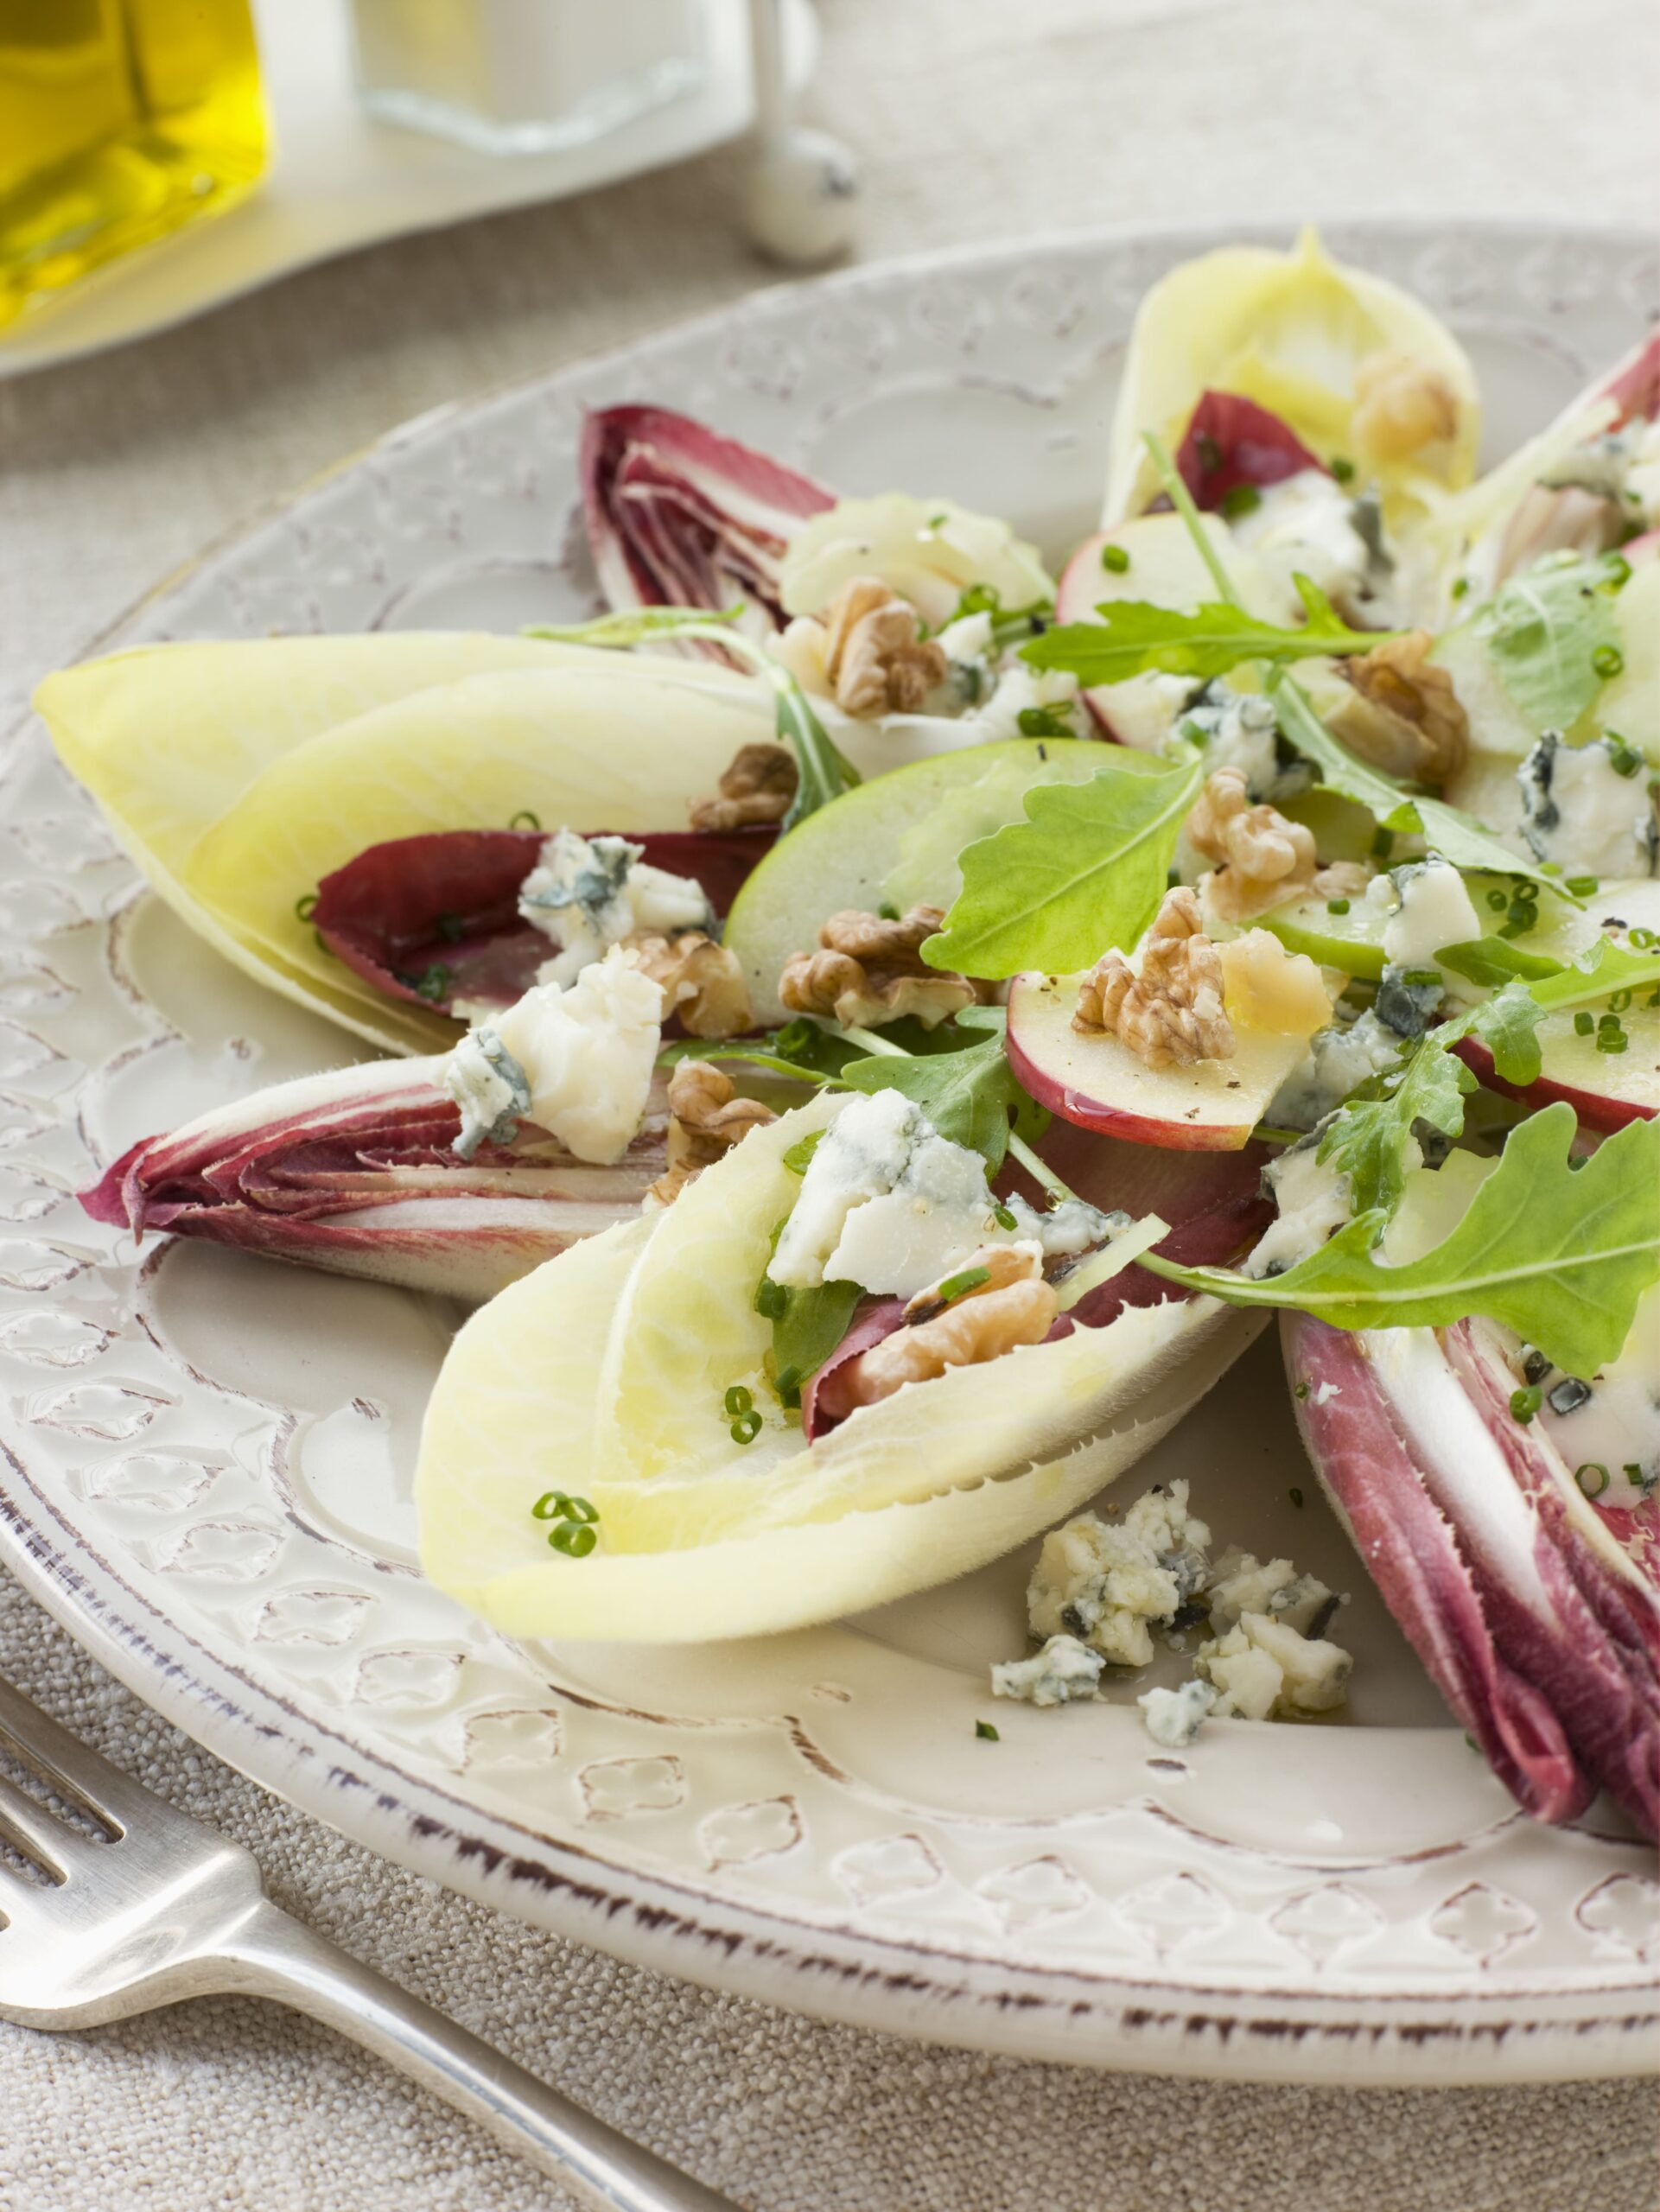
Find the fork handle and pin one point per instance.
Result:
(276, 1956)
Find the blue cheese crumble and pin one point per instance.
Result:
(1062, 1672)
(1339, 1060)
(491, 1088)
(1175, 1717)
(1315, 1200)
(578, 1062)
(1111, 1584)
(1432, 910)
(889, 1203)
(1588, 809)
(588, 893)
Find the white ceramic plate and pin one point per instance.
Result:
(208, 1458)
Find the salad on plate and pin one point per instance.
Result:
(876, 1026)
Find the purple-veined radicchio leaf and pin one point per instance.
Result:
(679, 516)
(1536, 1612)
(435, 918)
(1230, 442)
(355, 1171)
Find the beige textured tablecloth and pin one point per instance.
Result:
(973, 118)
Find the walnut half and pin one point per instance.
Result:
(759, 786)
(701, 981)
(1262, 859)
(1402, 713)
(706, 1118)
(874, 658)
(1403, 405)
(1171, 1013)
(1013, 1306)
(870, 969)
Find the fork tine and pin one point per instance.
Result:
(78, 1774)
(30, 1828)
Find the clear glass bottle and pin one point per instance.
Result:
(524, 76)
(119, 121)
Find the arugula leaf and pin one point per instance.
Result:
(1560, 1256)
(1449, 831)
(1508, 1023)
(1135, 635)
(822, 773)
(807, 1327)
(1085, 870)
(968, 1095)
(1543, 630)
(1492, 961)
(1371, 1140)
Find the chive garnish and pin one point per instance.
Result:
(1242, 500)
(1337, 905)
(958, 1286)
(986, 1733)
(1525, 1403)
(1116, 557)
(1608, 661)
(306, 906)
(1593, 1477)
(525, 820)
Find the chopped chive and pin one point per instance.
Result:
(1342, 469)
(550, 1506)
(1608, 661)
(1460, 586)
(1616, 571)
(1583, 1023)
(1295, 1495)
(1611, 1040)
(1003, 1217)
(1242, 500)
(1582, 886)
(578, 1508)
(1337, 905)
(787, 1383)
(1043, 721)
(1498, 900)
(1116, 557)
(1382, 842)
(1593, 1477)
(888, 910)
(306, 906)
(738, 1399)
(986, 1733)
(1624, 757)
(323, 945)
(1423, 975)
(771, 1300)
(1525, 1403)
(1301, 1390)
(575, 1542)
(747, 1427)
(958, 1286)
(525, 820)
(1618, 1002)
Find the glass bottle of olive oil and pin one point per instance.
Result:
(119, 120)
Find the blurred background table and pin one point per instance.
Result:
(971, 121)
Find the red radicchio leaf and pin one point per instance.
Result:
(825, 1401)
(678, 516)
(1547, 1655)
(1232, 441)
(445, 907)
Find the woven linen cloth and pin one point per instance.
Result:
(973, 121)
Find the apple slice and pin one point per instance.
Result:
(1099, 1084)
(1162, 565)
(1606, 1090)
(1353, 939)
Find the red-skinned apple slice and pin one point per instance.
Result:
(1606, 1090)
(1099, 1084)
(1165, 567)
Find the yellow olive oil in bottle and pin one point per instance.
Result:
(119, 121)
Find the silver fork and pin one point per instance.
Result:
(164, 1909)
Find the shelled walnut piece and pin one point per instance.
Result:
(701, 981)
(1262, 859)
(1402, 713)
(875, 661)
(759, 786)
(1171, 1014)
(1013, 1306)
(870, 969)
(706, 1118)
(1401, 406)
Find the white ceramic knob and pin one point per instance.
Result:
(800, 208)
